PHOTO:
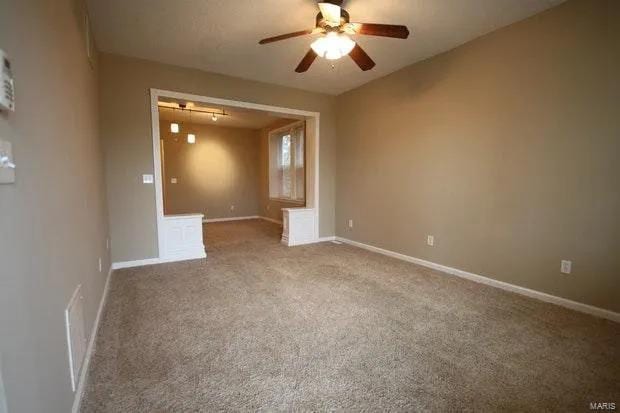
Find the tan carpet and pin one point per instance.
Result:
(262, 326)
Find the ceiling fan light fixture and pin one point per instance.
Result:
(333, 46)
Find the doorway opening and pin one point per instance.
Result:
(223, 160)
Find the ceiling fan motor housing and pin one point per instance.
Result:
(322, 23)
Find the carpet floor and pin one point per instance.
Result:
(260, 326)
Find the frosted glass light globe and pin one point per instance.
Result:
(333, 46)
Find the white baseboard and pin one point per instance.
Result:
(230, 219)
(196, 255)
(275, 221)
(135, 263)
(79, 393)
(153, 261)
(314, 241)
(298, 243)
(564, 302)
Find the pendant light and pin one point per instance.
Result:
(191, 138)
(174, 127)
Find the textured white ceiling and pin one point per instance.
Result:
(222, 36)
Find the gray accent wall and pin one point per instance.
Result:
(53, 219)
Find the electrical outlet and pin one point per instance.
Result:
(566, 266)
(430, 240)
(232, 207)
(100, 265)
(350, 223)
(173, 180)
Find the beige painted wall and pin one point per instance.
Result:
(126, 132)
(53, 219)
(219, 171)
(271, 208)
(505, 149)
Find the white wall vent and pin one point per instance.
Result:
(3, 408)
(76, 334)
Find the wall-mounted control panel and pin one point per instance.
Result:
(7, 85)
(7, 167)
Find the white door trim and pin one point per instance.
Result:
(312, 172)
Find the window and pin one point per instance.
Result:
(286, 163)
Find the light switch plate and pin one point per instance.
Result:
(147, 178)
(173, 180)
(7, 175)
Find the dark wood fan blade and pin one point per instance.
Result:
(285, 36)
(385, 30)
(360, 57)
(306, 61)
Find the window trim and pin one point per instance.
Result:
(279, 130)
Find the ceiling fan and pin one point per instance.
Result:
(332, 23)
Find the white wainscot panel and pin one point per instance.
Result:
(183, 237)
(298, 226)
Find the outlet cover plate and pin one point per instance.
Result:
(566, 267)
